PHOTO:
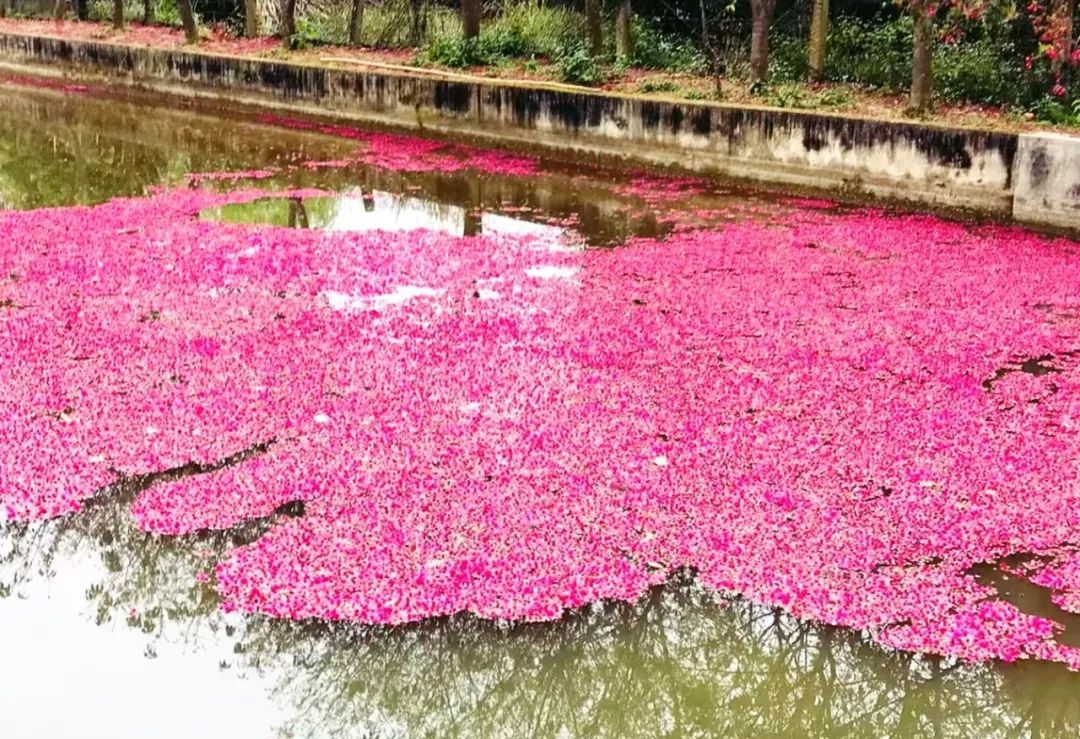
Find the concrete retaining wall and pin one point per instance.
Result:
(928, 165)
(1048, 180)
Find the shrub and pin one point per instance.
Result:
(1049, 110)
(836, 97)
(539, 29)
(446, 50)
(983, 66)
(494, 45)
(977, 70)
(789, 61)
(875, 54)
(307, 35)
(656, 50)
(794, 95)
(659, 86)
(527, 28)
(577, 67)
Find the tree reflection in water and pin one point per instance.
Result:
(675, 664)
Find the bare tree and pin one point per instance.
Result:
(624, 31)
(819, 36)
(594, 20)
(761, 12)
(470, 17)
(148, 12)
(356, 22)
(118, 14)
(187, 19)
(59, 9)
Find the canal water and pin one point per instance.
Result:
(104, 631)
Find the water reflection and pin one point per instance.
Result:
(675, 664)
(58, 149)
(458, 204)
(358, 209)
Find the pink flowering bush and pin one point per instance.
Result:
(835, 413)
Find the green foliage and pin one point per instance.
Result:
(873, 54)
(788, 95)
(495, 45)
(788, 61)
(525, 29)
(649, 86)
(578, 67)
(1049, 110)
(984, 70)
(982, 66)
(836, 97)
(450, 51)
(532, 29)
(793, 95)
(387, 23)
(307, 35)
(541, 29)
(656, 50)
(167, 13)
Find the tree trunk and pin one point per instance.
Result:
(624, 31)
(118, 14)
(356, 22)
(922, 60)
(762, 15)
(470, 18)
(187, 18)
(148, 12)
(298, 215)
(1068, 38)
(251, 18)
(416, 33)
(82, 9)
(594, 20)
(712, 47)
(59, 9)
(288, 20)
(819, 38)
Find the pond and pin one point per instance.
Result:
(107, 628)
